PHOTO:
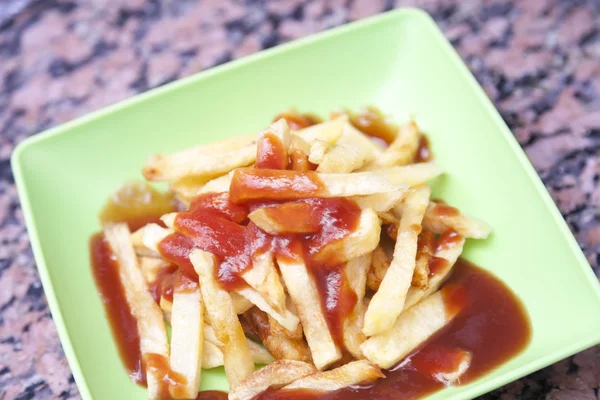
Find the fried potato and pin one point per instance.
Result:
(361, 241)
(281, 343)
(260, 355)
(152, 235)
(151, 326)
(380, 202)
(217, 185)
(286, 318)
(240, 303)
(352, 151)
(223, 318)
(438, 218)
(250, 184)
(151, 266)
(413, 327)
(204, 160)
(277, 374)
(264, 278)
(354, 373)
(356, 272)
(187, 332)
(212, 355)
(388, 301)
(446, 258)
(304, 294)
(189, 186)
(402, 150)
(380, 262)
(329, 131)
(425, 250)
(317, 151)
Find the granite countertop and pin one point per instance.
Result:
(538, 60)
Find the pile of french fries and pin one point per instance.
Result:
(277, 318)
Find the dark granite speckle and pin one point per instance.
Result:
(538, 60)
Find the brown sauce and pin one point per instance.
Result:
(373, 123)
(424, 150)
(493, 327)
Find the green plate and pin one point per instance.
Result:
(399, 62)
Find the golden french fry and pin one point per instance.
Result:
(217, 185)
(151, 266)
(204, 160)
(281, 343)
(187, 187)
(354, 373)
(317, 151)
(240, 303)
(210, 336)
(264, 278)
(260, 355)
(351, 152)
(381, 202)
(286, 318)
(402, 150)
(223, 318)
(304, 294)
(151, 326)
(380, 262)
(300, 144)
(439, 217)
(425, 251)
(250, 184)
(445, 258)
(277, 374)
(329, 131)
(152, 235)
(186, 341)
(411, 329)
(212, 356)
(356, 272)
(361, 241)
(388, 301)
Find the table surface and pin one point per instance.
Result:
(538, 60)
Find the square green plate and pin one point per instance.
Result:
(399, 62)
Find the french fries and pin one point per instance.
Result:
(413, 327)
(221, 313)
(293, 269)
(277, 374)
(402, 150)
(353, 373)
(187, 331)
(151, 326)
(304, 294)
(205, 160)
(388, 301)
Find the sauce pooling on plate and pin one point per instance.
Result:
(493, 327)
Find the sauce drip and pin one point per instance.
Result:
(373, 123)
(297, 121)
(423, 151)
(493, 327)
(138, 204)
(122, 323)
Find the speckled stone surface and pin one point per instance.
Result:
(539, 61)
